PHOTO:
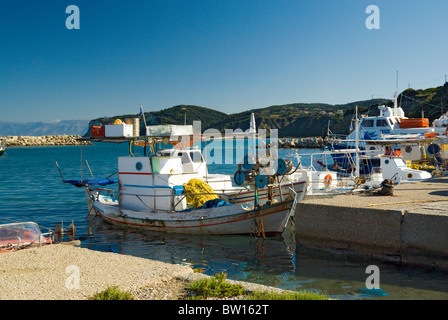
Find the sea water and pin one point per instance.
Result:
(32, 190)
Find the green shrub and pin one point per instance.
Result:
(112, 293)
(218, 287)
(215, 287)
(287, 295)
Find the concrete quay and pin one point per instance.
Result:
(410, 227)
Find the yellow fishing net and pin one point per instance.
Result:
(198, 186)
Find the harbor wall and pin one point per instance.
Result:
(49, 140)
(393, 235)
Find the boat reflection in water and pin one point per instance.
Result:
(276, 261)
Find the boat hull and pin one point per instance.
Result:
(268, 220)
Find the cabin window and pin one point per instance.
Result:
(400, 162)
(381, 123)
(185, 157)
(367, 123)
(391, 122)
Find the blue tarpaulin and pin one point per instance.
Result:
(82, 183)
(214, 203)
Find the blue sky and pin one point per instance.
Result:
(227, 55)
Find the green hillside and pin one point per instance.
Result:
(297, 119)
(431, 102)
(291, 120)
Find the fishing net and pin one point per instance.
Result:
(199, 192)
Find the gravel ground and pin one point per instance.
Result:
(65, 272)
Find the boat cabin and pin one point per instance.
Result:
(157, 181)
(191, 159)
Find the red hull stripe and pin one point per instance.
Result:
(138, 173)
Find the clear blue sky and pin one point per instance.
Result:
(227, 55)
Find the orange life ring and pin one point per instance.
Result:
(327, 179)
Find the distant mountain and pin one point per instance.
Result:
(65, 127)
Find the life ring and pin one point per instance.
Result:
(327, 179)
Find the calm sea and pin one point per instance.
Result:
(32, 190)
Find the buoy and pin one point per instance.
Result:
(433, 148)
(327, 179)
(239, 177)
(284, 166)
(261, 181)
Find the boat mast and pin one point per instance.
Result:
(396, 98)
(356, 143)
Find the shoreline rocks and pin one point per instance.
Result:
(49, 140)
(72, 140)
(307, 143)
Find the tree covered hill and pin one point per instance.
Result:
(296, 119)
(291, 120)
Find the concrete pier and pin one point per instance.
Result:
(409, 227)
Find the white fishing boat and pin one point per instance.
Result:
(324, 178)
(390, 124)
(171, 190)
(393, 143)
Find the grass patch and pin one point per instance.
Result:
(112, 293)
(287, 295)
(215, 287)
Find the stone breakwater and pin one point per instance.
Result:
(50, 140)
(310, 142)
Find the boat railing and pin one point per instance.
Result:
(337, 136)
(228, 195)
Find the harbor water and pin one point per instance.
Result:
(32, 190)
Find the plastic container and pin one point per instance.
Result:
(415, 123)
(118, 130)
(98, 131)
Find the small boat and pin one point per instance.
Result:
(21, 235)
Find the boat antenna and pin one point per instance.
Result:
(357, 142)
(396, 97)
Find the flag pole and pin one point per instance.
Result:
(143, 114)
